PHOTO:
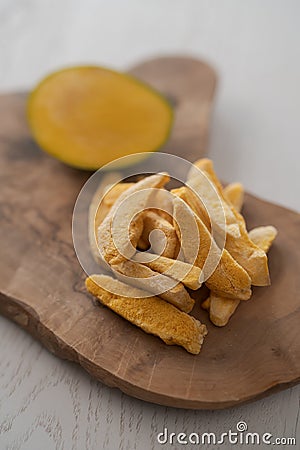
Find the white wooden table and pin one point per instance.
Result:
(46, 403)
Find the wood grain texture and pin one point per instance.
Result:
(54, 306)
(189, 84)
(53, 402)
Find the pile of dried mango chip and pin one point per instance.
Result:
(157, 245)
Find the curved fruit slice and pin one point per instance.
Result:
(89, 116)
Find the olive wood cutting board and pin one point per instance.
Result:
(42, 284)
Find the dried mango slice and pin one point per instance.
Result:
(98, 209)
(143, 277)
(210, 191)
(164, 204)
(152, 314)
(222, 308)
(244, 251)
(188, 274)
(228, 277)
(88, 116)
(206, 304)
(249, 256)
(234, 193)
(263, 237)
(114, 192)
(165, 242)
(127, 237)
(189, 197)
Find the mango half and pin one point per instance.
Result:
(88, 116)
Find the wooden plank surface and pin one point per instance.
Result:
(42, 283)
(45, 399)
(248, 139)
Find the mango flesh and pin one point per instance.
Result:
(89, 116)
